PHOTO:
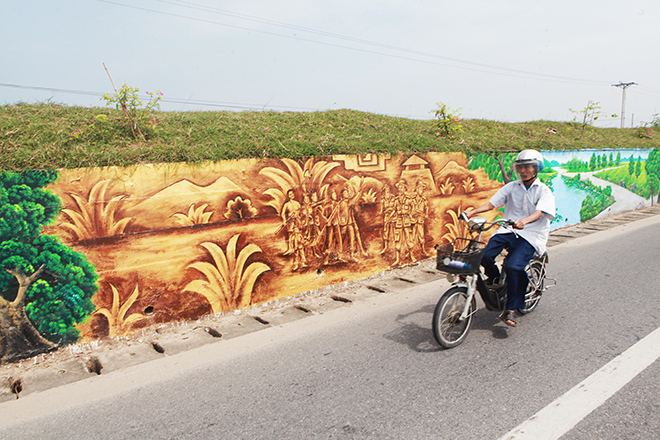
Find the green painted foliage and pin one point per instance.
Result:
(62, 296)
(652, 164)
(490, 165)
(597, 201)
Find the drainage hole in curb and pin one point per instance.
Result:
(303, 309)
(213, 332)
(377, 289)
(340, 299)
(406, 280)
(261, 320)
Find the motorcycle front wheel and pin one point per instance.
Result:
(448, 329)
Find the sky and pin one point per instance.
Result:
(504, 60)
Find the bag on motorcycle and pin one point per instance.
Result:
(494, 299)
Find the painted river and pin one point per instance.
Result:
(569, 200)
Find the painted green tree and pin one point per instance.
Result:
(652, 167)
(498, 166)
(45, 286)
(653, 184)
(631, 166)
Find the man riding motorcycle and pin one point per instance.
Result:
(531, 204)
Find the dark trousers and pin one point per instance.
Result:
(520, 252)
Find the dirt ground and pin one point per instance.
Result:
(80, 361)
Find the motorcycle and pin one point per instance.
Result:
(461, 259)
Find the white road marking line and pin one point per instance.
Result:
(563, 414)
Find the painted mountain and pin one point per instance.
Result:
(201, 204)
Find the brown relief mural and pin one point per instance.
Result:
(173, 242)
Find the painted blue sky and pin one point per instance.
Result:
(584, 155)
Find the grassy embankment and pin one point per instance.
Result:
(47, 136)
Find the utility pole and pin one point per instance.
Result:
(624, 86)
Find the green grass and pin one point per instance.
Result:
(39, 136)
(621, 174)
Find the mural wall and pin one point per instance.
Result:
(172, 242)
(96, 252)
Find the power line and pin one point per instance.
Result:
(646, 91)
(200, 7)
(497, 70)
(50, 89)
(182, 101)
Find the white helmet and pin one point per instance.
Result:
(530, 157)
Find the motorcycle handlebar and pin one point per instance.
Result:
(486, 226)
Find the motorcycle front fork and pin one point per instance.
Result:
(471, 284)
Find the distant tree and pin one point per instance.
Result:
(631, 166)
(592, 162)
(655, 121)
(610, 163)
(588, 115)
(448, 120)
(638, 166)
(45, 286)
(618, 158)
(576, 165)
(654, 185)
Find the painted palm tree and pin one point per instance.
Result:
(95, 217)
(309, 177)
(229, 280)
(370, 196)
(195, 216)
(447, 187)
(459, 228)
(118, 322)
(468, 185)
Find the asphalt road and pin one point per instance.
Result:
(373, 370)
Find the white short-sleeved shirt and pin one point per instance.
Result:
(520, 202)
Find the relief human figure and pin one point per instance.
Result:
(291, 221)
(387, 208)
(403, 223)
(348, 226)
(306, 218)
(317, 228)
(334, 242)
(420, 212)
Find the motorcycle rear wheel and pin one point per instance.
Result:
(534, 288)
(448, 330)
